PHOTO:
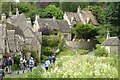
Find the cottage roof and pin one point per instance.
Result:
(16, 28)
(85, 14)
(88, 14)
(20, 20)
(61, 25)
(75, 15)
(50, 23)
(28, 32)
(112, 41)
(64, 27)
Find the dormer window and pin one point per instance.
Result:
(46, 25)
(73, 19)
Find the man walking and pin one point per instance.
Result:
(31, 63)
(9, 65)
(47, 64)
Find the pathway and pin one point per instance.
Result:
(90, 53)
(20, 71)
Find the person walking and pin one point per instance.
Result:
(47, 64)
(9, 65)
(31, 63)
(5, 65)
(21, 63)
(54, 58)
(24, 63)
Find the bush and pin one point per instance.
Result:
(83, 52)
(15, 67)
(47, 51)
(100, 51)
(51, 41)
(17, 60)
(43, 58)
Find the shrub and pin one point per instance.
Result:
(83, 52)
(15, 67)
(47, 51)
(100, 51)
(43, 58)
(17, 60)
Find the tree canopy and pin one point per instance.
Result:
(85, 31)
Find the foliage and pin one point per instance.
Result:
(33, 53)
(97, 11)
(47, 51)
(72, 6)
(83, 52)
(24, 50)
(102, 32)
(70, 65)
(112, 13)
(43, 58)
(15, 67)
(100, 51)
(51, 41)
(36, 73)
(112, 16)
(53, 11)
(85, 31)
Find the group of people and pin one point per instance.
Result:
(50, 61)
(7, 64)
(24, 65)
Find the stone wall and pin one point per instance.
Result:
(89, 44)
(67, 36)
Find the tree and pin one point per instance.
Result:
(85, 31)
(72, 6)
(53, 11)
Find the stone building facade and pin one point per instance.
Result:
(16, 32)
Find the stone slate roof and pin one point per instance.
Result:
(61, 25)
(112, 41)
(28, 33)
(50, 23)
(75, 15)
(64, 27)
(88, 14)
(13, 27)
(20, 20)
(85, 14)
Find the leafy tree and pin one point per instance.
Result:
(51, 11)
(97, 11)
(85, 31)
(72, 6)
(112, 16)
(100, 51)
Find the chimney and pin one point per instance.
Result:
(88, 20)
(37, 17)
(108, 34)
(72, 19)
(10, 13)
(54, 17)
(29, 22)
(3, 17)
(78, 9)
(17, 11)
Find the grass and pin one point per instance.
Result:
(71, 65)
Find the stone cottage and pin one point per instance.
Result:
(80, 16)
(111, 44)
(18, 33)
(53, 24)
